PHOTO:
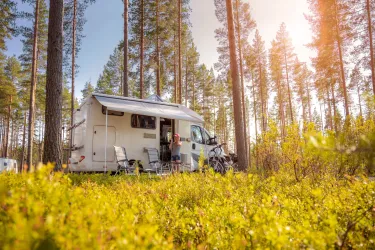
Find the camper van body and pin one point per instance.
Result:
(7, 165)
(104, 121)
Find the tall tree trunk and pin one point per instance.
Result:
(281, 107)
(241, 74)
(261, 96)
(193, 84)
(255, 121)
(334, 107)
(142, 51)
(372, 60)
(359, 100)
(175, 69)
(23, 142)
(125, 86)
(12, 134)
(158, 92)
(288, 85)
(186, 79)
(236, 91)
(40, 158)
(29, 160)
(303, 106)
(53, 114)
(179, 52)
(343, 80)
(255, 108)
(3, 129)
(321, 114)
(73, 77)
(308, 100)
(329, 109)
(8, 128)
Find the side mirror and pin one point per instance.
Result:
(212, 141)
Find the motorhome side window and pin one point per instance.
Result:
(196, 134)
(143, 121)
(111, 112)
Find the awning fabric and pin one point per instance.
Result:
(142, 107)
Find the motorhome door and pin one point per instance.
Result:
(197, 144)
(98, 144)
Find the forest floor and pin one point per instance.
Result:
(201, 210)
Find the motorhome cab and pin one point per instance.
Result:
(104, 121)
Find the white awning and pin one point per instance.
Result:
(144, 107)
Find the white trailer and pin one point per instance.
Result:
(7, 165)
(104, 121)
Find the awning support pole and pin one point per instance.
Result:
(106, 140)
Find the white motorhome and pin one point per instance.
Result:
(104, 121)
(7, 165)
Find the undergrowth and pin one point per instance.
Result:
(49, 210)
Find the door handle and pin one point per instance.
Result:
(193, 145)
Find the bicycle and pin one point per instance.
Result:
(218, 161)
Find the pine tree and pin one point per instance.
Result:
(302, 88)
(74, 21)
(8, 21)
(125, 90)
(257, 61)
(236, 88)
(33, 61)
(330, 23)
(53, 113)
(285, 48)
(13, 75)
(110, 81)
(87, 90)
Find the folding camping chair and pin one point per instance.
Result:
(122, 161)
(155, 165)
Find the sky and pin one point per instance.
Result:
(104, 30)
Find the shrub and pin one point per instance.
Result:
(201, 210)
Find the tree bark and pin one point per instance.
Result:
(281, 107)
(53, 114)
(23, 142)
(236, 91)
(255, 121)
(329, 110)
(29, 160)
(193, 101)
(186, 79)
(288, 85)
(125, 91)
(343, 80)
(359, 100)
(142, 51)
(12, 134)
(308, 100)
(73, 76)
(372, 60)
(179, 52)
(241, 74)
(334, 107)
(6, 144)
(262, 101)
(175, 68)
(158, 92)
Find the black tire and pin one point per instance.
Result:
(218, 167)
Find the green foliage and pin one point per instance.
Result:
(208, 210)
(312, 153)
